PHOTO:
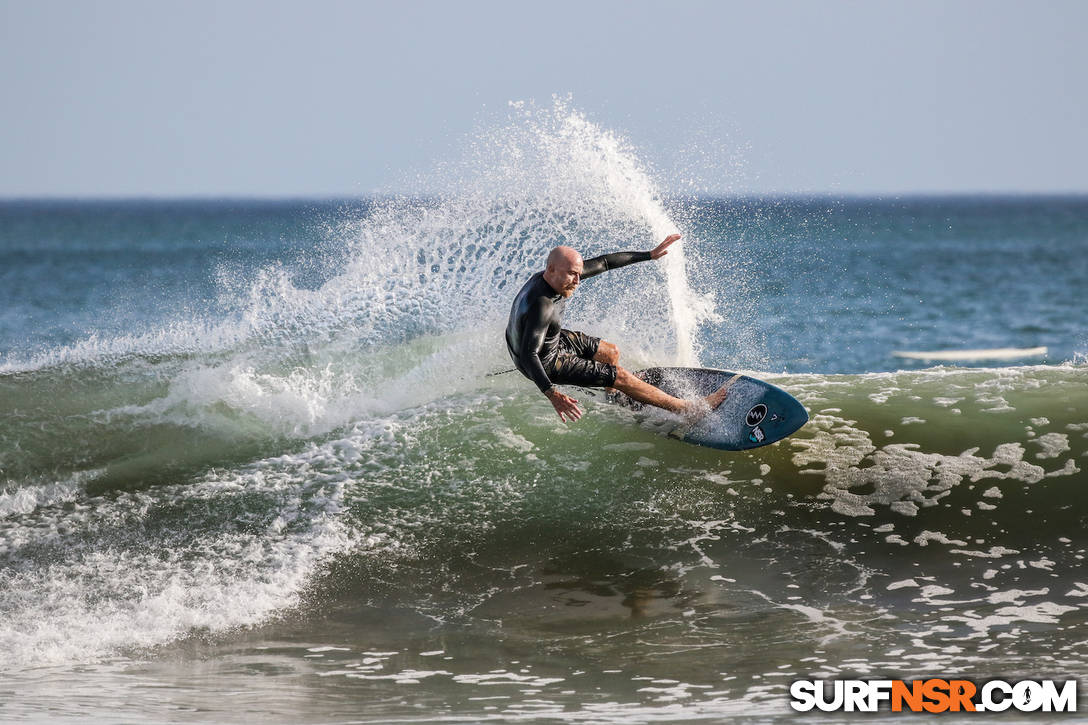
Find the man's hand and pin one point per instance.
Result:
(662, 249)
(564, 405)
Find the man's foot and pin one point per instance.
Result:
(697, 409)
(717, 397)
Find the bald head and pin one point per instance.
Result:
(564, 255)
(564, 270)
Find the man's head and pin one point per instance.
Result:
(564, 270)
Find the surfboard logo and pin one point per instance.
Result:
(756, 415)
(756, 436)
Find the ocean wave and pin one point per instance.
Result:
(936, 465)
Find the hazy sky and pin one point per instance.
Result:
(340, 98)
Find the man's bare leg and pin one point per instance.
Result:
(640, 390)
(643, 392)
(607, 352)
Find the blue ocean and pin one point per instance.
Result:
(261, 460)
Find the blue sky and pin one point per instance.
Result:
(345, 98)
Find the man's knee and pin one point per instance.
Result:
(607, 353)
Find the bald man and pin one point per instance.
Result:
(549, 355)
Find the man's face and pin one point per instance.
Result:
(567, 275)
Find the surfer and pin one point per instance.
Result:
(548, 355)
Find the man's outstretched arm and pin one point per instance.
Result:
(606, 262)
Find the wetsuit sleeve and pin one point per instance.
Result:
(532, 340)
(605, 262)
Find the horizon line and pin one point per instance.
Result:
(286, 198)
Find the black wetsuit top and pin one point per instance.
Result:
(532, 334)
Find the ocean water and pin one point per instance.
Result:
(259, 460)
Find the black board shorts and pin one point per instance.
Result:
(574, 365)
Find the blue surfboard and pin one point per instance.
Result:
(754, 413)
